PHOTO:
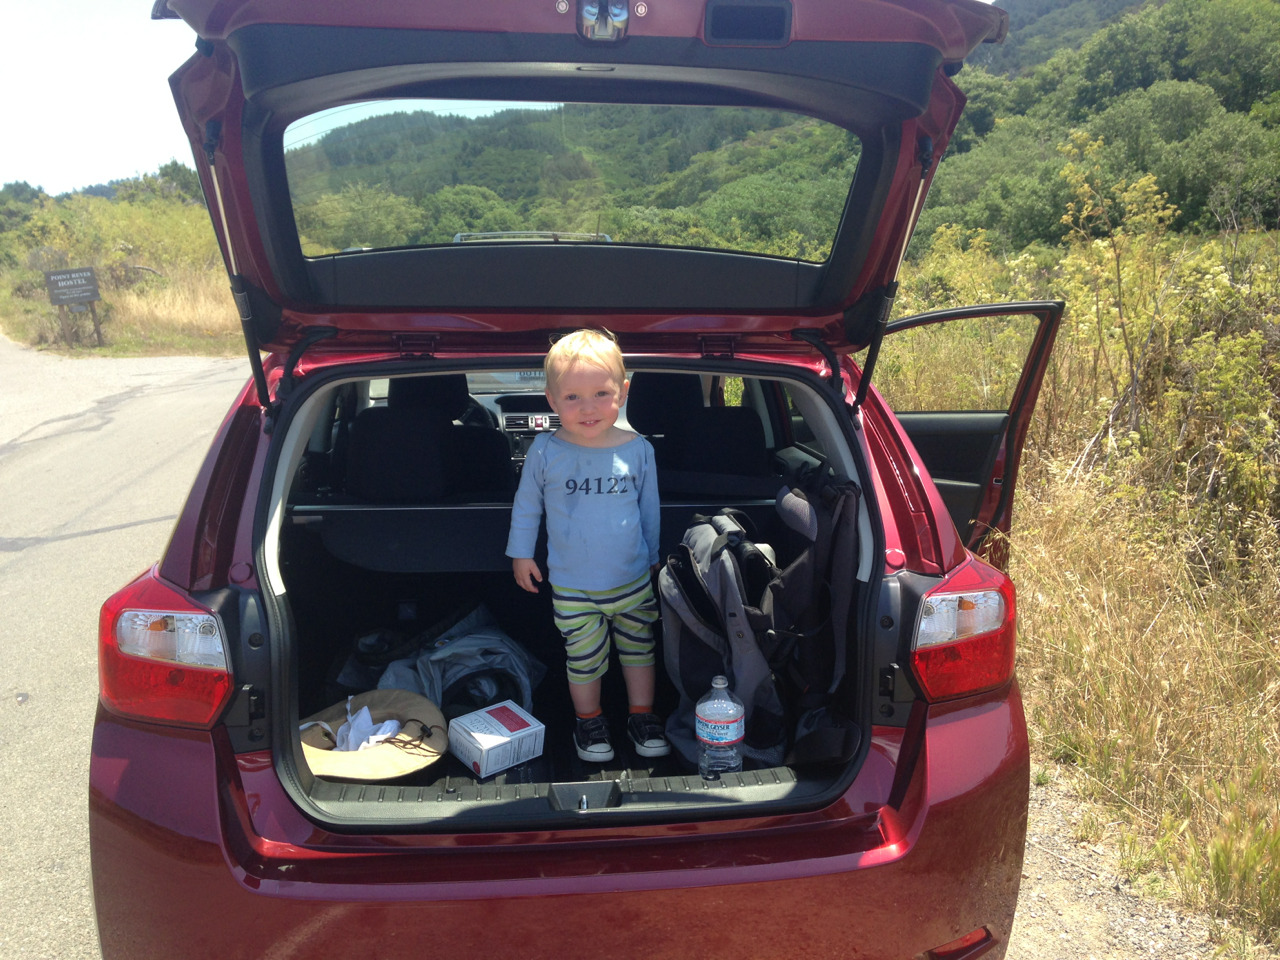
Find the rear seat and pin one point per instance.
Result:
(412, 451)
(701, 451)
(657, 404)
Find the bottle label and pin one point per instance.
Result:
(720, 733)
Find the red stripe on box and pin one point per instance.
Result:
(508, 718)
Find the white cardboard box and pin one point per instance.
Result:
(495, 737)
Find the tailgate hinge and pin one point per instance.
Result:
(718, 346)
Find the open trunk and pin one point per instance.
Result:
(379, 540)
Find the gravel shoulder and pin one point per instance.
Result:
(1075, 905)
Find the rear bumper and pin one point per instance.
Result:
(182, 866)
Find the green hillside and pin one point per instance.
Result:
(1155, 89)
(1040, 28)
(760, 180)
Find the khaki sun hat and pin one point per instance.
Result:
(423, 737)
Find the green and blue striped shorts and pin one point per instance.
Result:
(587, 619)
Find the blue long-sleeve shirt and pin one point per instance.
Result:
(601, 507)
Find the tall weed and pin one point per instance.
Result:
(1163, 689)
(1147, 532)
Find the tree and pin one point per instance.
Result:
(1234, 47)
(1198, 151)
(17, 200)
(1129, 55)
(183, 179)
(466, 209)
(988, 98)
(1008, 185)
(360, 215)
(173, 181)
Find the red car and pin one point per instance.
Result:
(412, 199)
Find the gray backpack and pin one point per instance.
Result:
(773, 618)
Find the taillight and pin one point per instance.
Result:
(966, 634)
(161, 657)
(969, 947)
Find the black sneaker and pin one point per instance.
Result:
(591, 737)
(647, 735)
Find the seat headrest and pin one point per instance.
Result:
(396, 456)
(445, 394)
(659, 402)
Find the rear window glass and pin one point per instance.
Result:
(422, 173)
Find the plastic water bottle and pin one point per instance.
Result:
(718, 719)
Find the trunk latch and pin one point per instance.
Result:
(718, 346)
(417, 344)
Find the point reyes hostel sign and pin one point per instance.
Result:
(79, 285)
(74, 291)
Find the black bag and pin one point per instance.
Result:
(779, 633)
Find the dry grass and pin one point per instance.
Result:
(1163, 690)
(195, 308)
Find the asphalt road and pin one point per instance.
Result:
(96, 456)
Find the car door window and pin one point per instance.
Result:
(972, 363)
(963, 384)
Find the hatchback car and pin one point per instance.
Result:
(412, 200)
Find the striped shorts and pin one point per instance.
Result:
(587, 618)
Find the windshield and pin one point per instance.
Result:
(421, 173)
(507, 381)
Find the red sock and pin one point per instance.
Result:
(589, 716)
(648, 708)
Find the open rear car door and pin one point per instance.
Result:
(964, 385)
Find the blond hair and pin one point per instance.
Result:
(599, 348)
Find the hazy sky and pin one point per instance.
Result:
(86, 92)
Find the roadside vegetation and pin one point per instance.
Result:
(159, 271)
(1134, 174)
(1145, 545)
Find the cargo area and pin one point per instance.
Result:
(375, 572)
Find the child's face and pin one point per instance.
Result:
(588, 399)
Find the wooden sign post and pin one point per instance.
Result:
(78, 289)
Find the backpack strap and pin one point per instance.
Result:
(688, 579)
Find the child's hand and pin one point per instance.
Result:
(527, 573)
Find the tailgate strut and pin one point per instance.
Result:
(241, 296)
(881, 320)
(212, 134)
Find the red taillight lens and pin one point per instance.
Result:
(966, 634)
(969, 947)
(161, 657)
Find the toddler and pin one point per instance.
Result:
(596, 484)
